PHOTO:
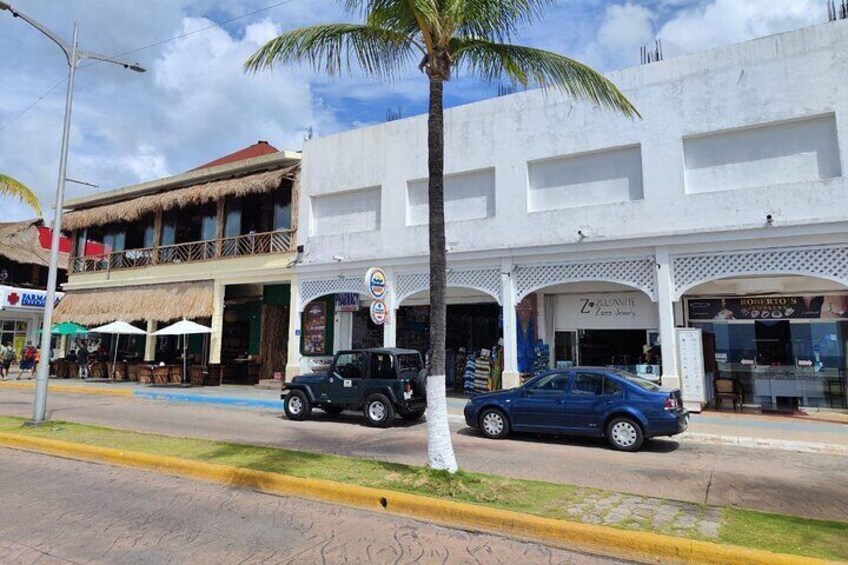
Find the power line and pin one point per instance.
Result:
(35, 102)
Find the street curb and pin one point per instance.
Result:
(231, 401)
(639, 546)
(767, 443)
(69, 389)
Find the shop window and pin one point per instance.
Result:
(773, 343)
(565, 349)
(350, 365)
(587, 384)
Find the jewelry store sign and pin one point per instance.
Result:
(622, 310)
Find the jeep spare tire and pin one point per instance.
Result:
(420, 384)
(297, 405)
(379, 411)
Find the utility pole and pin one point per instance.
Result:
(75, 56)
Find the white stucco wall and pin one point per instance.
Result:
(707, 102)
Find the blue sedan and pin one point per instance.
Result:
(589, 401)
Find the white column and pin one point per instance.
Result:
(215, 339)
(511, 377)
(295, 315)
(150, 342)
(343, 332)
(665, 306)
(390, 327)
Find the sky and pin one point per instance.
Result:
(195, 104)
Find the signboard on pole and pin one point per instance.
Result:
(379, 312)
(690, 349)
(375, 283)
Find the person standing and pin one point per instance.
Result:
(7, 357)
(82, 359)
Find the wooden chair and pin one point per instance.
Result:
(175, 374)
(161, 375)
(120, 371)
(214, 376)
(197, 375)
(73, 371)
(98, 370)
(132, 372)
(145, 375)
(728, 388)
(109, 367)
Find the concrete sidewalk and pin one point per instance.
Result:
(721, 428)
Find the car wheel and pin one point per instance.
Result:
(493, 423)
(379, 411)
(297, 405)
(333, 410)
(625, 434)
(413, 416)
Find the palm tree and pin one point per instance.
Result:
(442, 37)
(10, 186)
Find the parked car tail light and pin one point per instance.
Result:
(670, 403)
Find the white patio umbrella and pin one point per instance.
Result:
(118, 329)
(184, 328)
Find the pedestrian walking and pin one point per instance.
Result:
(7, 357)
(28, 360)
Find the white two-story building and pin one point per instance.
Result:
(725, 209)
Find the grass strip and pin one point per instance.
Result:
(772, 532)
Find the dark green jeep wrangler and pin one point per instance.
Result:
(380, 382)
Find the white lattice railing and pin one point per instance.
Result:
(238, 246)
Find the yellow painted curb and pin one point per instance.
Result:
(639, 546)
(70, 389)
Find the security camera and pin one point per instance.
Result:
(338, 258)
(581, 236)
(769, 220)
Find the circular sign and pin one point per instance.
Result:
(378, 312)
(375, 282)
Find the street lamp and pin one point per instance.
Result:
(75, 56)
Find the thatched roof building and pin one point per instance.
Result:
(158, 302)
(19, 242)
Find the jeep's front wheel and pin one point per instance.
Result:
(379, 411)
(297, 405)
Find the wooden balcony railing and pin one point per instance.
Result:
(238, 246)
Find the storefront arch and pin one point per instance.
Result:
(637, 273)
(822, 262)
(487, 281)
(316, 288)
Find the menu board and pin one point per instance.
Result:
(690, 349)
(315, 329)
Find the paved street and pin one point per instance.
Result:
(781, 481)
(60, 511)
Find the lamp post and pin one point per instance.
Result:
(75, 56)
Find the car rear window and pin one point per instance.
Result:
(409, 362)
(640, 382)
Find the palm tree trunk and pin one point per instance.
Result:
(440, 453)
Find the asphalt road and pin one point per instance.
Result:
(60, 511)
(804, 484)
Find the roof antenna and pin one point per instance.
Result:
(394, 114)
(654, 55)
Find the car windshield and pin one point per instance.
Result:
(638, 381)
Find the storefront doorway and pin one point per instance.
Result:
(786, 350)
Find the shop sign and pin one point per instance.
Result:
(375, 282)
(378, 312)
(347, 302)
(769, 308)
(315, 329)
(622, 310)
(690, 351)
(24, 298)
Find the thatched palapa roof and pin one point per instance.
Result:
(130, 210)
(159, 302)
(19, 241)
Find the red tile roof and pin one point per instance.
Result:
(258, 149)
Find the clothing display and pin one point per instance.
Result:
(482, 372)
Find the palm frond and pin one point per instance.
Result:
(493, 20)
(10, 186)
(334, 48)
(528, 66)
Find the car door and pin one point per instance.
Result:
(541, 405)
(585, 402)
(346, 377)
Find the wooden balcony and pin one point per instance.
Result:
(238, 246)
